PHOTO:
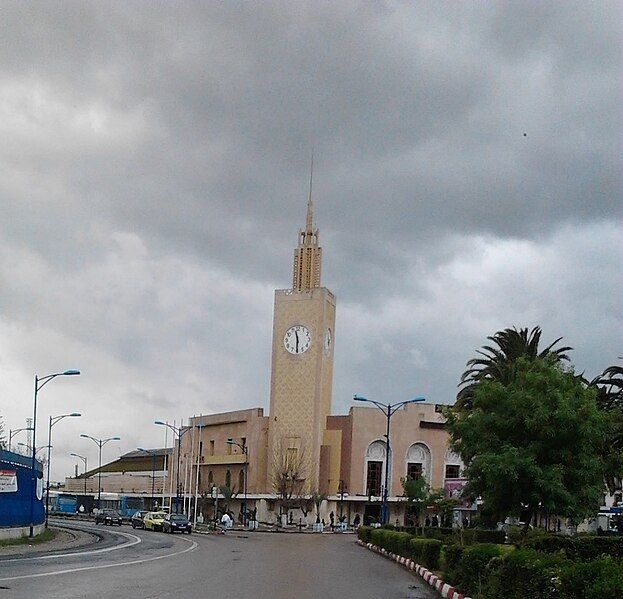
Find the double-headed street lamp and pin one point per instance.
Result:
(84, 461)
(13, 432)
(179, 433)
(53, 421)
(245, 451)
(100, 443)
(153, 455)
(39, 384)
(30, 448)
(389, 410)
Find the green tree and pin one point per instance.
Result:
(442, 505)
(497, 362)
(533, 441)
(416, 490)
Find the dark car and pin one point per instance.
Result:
(137, 519)
(176, 523)
(108, 517)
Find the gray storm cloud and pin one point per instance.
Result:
(154, 172)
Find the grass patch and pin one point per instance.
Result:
(44, 537)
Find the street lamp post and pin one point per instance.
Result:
(179, 432)
(341, 490)
(53, 421)
(245, 451)
(100, 443)
(39, 384)
(389, 410)
(153, 454)
(84, 461)
(14, 432)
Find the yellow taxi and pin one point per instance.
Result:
(153, 520)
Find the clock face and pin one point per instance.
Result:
(327, 342)
(297, 339)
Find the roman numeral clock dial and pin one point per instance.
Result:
(297, 339)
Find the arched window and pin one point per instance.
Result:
(419, 462)
(241, 481)
(210, 478)
(375, 468)
(228, 479)
(453, 466)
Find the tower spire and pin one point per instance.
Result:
(309, 225)
(308, 254)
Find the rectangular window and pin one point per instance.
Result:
(200, 448)
(373, 478)
(212, 447)
(414, 470)
(452, 471)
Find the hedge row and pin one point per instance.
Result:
(464, 536)
(547, 567)
(423, 551)
(580, 547)
(538, 575)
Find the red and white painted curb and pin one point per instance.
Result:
(444, 589)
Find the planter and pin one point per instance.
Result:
(317, 527)
(253, 524)
(341, 526)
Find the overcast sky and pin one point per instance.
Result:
(154, 172)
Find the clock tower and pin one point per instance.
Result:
(302, 363)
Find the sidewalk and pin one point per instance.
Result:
(63, 539)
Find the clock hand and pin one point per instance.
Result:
(297, 341)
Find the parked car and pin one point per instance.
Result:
(137, 519)
(108, 517)
(153, 520)
(176, 523)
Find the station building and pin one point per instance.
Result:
(299, 448)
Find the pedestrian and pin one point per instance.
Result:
(332, 518)
(427, 521)
(225, 520)
(356, 521)
(435, 521)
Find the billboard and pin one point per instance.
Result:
(453, 489)
(8, 481)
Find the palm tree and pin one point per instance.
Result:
(497, 361)
(609, 386)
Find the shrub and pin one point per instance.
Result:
(591, 547)
(363, 532)
(471, 573)
(602, 577)
(452, 557)
(426, 552)
(436, 532)
(521, 574)
(581, 547)
(514, 534)
(482, 535)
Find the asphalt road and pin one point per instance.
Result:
(137, 564)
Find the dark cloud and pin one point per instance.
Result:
(155, 165)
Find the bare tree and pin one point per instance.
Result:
(289, 472)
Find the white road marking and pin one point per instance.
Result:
(192, 546)
(135, 541)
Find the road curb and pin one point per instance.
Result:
(443, 588)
